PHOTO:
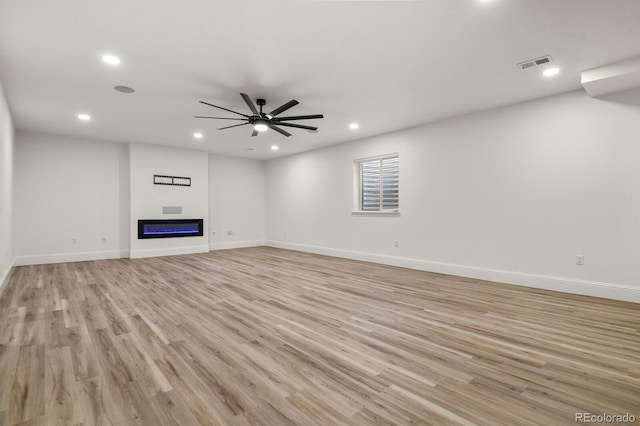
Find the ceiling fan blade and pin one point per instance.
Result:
(225, 109)
(284, 107)
(221, 118)
(255, 133)
(299, 126)
(300, 117)
(247, 99)
(235, 125)
(279, 130)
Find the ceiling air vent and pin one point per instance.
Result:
(535, 62)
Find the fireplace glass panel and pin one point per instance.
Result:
(169, 228)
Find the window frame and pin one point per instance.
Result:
(357, 187)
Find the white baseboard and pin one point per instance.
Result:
(236, 244)
(622, 292)
(133, 254)
(171, 251)
(41, 259)
(4, 278)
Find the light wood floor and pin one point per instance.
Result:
(275, 337)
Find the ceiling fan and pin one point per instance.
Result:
(263, 121)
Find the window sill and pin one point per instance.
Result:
(395, 213)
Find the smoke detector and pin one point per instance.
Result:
(535, 62)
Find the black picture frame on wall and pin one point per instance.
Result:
(171, 180)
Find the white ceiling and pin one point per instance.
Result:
(387, 65)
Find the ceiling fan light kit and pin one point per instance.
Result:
(262, 121)
(260, 125)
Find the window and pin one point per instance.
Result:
(376, 181)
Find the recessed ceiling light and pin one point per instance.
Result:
(84, 117)
(274, 147)
(354, 126)
(198, 135)
(111, 60)
(550, 72)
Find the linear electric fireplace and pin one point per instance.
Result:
(169, 228)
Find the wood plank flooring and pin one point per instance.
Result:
(276, 337)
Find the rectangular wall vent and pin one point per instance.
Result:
(171, 209)
(535, 62)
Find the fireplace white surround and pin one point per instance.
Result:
(148, 199)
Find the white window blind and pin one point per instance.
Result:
(376, 182)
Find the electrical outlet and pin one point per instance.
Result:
(230, 233)
(580, 259)
(396, 244)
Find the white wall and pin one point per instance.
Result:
(87, 190)
(69, 189)
(236, 202)
(148, 199)
(6, 190)
(511, 194)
